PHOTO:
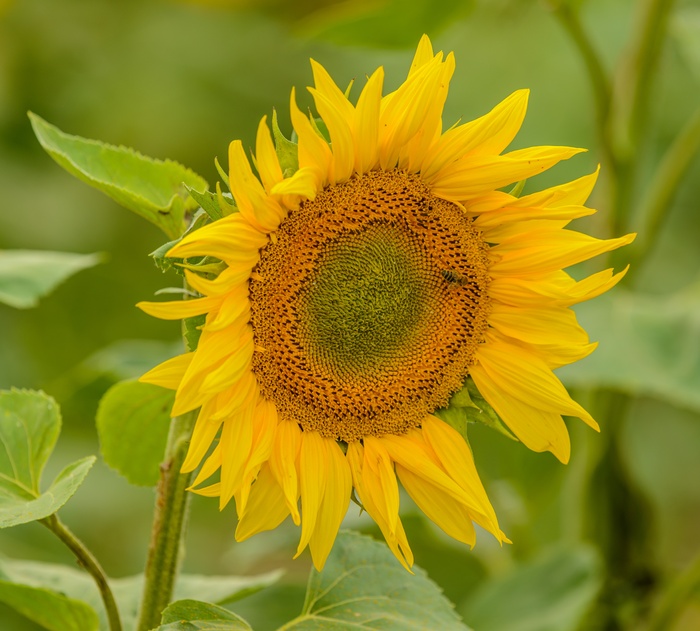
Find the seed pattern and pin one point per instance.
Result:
(368, 306)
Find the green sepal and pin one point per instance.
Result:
(287, 151)
(192, 330)
(468, 406)
(164, 263)
(517, 190)
(211, 204)
(321, 128)
(154, 189)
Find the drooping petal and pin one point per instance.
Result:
(283, 464)
(266, 507)
(169, 374)
(313, 478)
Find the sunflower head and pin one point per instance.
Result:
(360, 291)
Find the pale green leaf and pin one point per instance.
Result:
(127, 591)
(17, 510)
(49, 609)
(29, 426)
(154, 189)
(287, 151)
(133, 419)
(30, 423)
(647, 345)
(685, 27)
(27, 275)
(364, 587)
(193, 615)
(552, 594)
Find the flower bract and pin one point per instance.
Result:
(358, 294)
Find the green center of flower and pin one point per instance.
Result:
(365, 302)
(367, 307)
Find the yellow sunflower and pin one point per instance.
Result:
(358, 294)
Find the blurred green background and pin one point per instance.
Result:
(180, 80)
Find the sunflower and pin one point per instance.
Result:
(359, 292)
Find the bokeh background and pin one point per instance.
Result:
(182, 79)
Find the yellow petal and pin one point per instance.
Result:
(541, 252)
(472, 175)
(283, 464)
(457, 460)
(267, 163)
(424, 53)
(488, 135)
(313, 476)
(266, 507)
(366, 123)
(314, 152)
(396, 541)
(236, 441)
(169, 374)
(341, 135)
(255, 206)
(178, 309)
(440, 507)
(548, 325)
(528, 379)
(537, 429)
(379, 481)
(333, 507)
(203, 435)
(211, 465)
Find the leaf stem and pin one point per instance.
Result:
(91, 565)
(168, 526)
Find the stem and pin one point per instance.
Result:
(636, 75)
(675, 598)
(168, 525)
(91, 565)
(597, 75)
(668, 176)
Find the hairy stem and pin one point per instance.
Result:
(168, 526)
(91, 565)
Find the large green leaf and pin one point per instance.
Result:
(551, 594)
(27, 275)
(382, 22)
(29, 426)
(127, 591)
(648, 345)
(50, 609)
(132, 422)
(363, 586)
(154, 189)
(193, 615)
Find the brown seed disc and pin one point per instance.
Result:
(368, 307)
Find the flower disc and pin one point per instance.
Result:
(368, 307)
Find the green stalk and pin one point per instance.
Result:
(91, 565)
(168, 525)
(665, 184)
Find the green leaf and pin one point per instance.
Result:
(552, 594)
(49, 609)
(27, 275)
(133, 419)
(17, 510)
(154, 189)
(209, 203)
(193, 615)
(127, 591)
(363, 586)
(646, 345)
(382, 23)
